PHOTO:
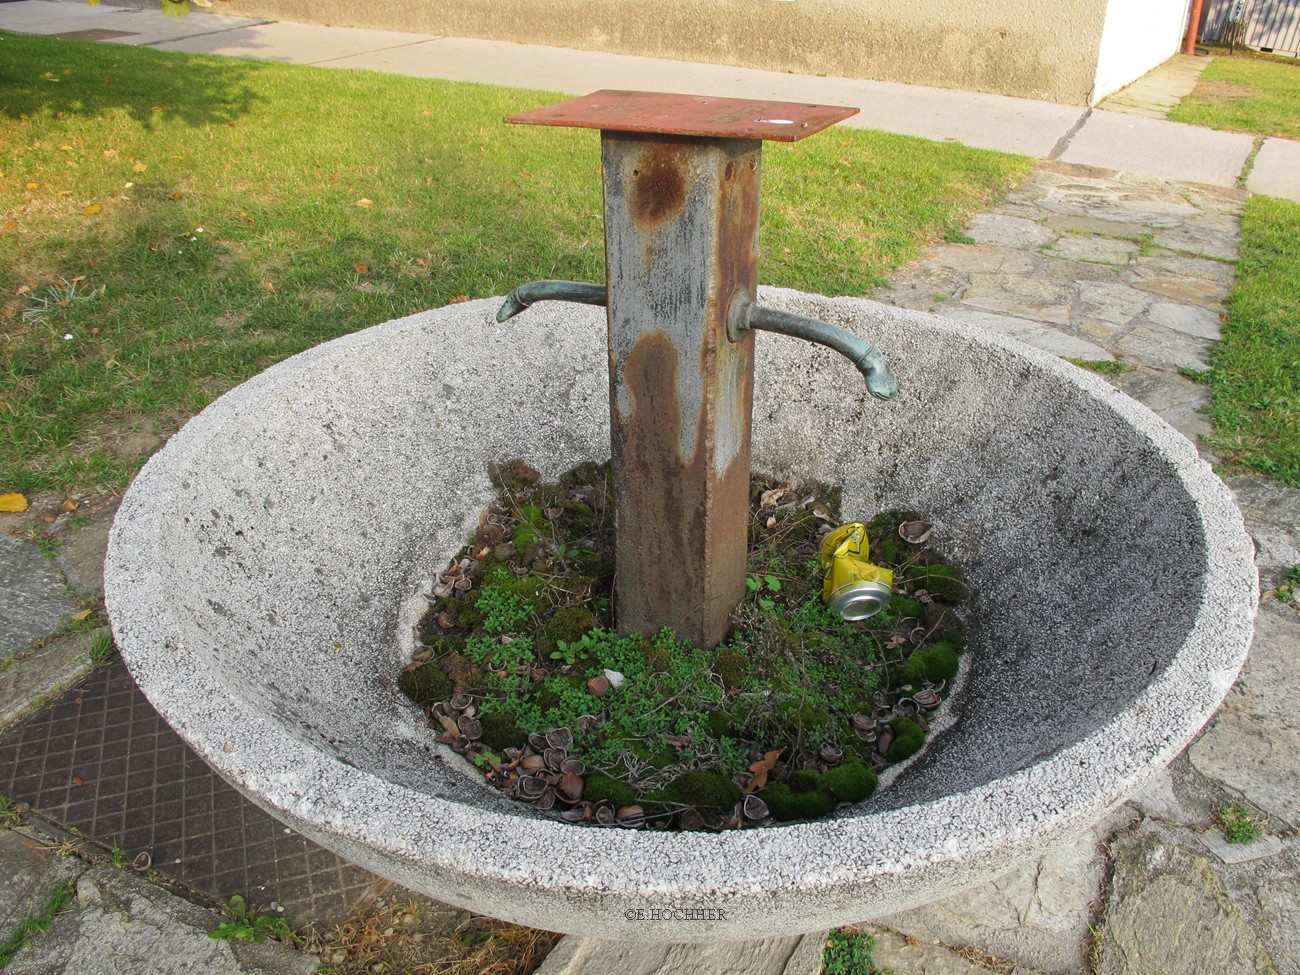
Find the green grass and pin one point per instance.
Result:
(58, 899)
(1246, 94)
(1239, 823)
(194, 220)
(1255, 378)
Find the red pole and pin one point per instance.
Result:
(1193, 24)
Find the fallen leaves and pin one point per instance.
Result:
(363, 202)
(92, 209)
(80, 617)
(13, 503)
(763, 766)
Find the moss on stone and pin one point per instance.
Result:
(903, 607)
(850, 782)
(935, 663)
(425, 685)
(908, 739)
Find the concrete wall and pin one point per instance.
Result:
(1030, 48)
(1138, 35)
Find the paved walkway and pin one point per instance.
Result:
(1046, 130)
(1094, 264)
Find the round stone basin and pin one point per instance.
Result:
(265, 570)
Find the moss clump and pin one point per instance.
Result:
(703, 790)
(463, 610)
(567, 624)
(850, 782)
(513, 475)
(785, 804)
(946, 583)
(908, 739)
(902, 607)
(426, 685)
(731, 666)
(804, 780)
(935, 663)
(500, 730)
(600, 786)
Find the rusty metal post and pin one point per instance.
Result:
(681, 238)
(682, 176)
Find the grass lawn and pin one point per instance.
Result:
(1246, 93)
(1255, 379)
(171, 225)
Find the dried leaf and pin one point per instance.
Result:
(139, 167)
(80, 617)
(763, 766)
(770, 498)
(69, 505)
(77, 780)
(13, 502)
(174, 196)
(93, 208)
(360, 268)
(457, 299)
(33, 186)
(363, 202)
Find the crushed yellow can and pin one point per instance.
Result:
(854, 587)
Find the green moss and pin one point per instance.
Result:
(463, 610)
(946, 583)
(426, 684)
(935, 663)
(888, 549)
(810, 718)
(443, 643)
(850, 782)
(908, 739)
(721, 724)
(500, 730)
(785, 804)
(600, 786)
(703, 790)
(731, 666)
(524, 537)
(569, 623)
(804, 780)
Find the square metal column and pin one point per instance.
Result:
(682, 178)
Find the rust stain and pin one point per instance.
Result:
(659, 185)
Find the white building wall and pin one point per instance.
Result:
(1137, 35)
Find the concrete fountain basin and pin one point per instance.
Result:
(265, 570)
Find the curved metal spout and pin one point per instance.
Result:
(526, 294)
(870, 361)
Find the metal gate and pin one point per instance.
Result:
(1267, 25)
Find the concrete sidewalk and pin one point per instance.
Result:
(1046, 130)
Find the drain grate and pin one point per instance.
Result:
(101, 759)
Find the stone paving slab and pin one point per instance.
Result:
(29, 870)
(1161, 89)
(1253, 744)
(29, 680)
(907, 956)
(1175, 908)
(800, 955)
(36, 599)
(1277, 170)
(125, 924)
(1036, 916)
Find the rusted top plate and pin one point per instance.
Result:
(667, 114)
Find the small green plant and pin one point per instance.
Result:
(249, 926)
(1288, 587)
(1239, 823)
(848, 952)
(102, 648)
(1201, 376)
(765, 587)
(7, 815)
(503, 611)
(119, 858)
(58, 898)
(1102, 368)
(958, 237)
